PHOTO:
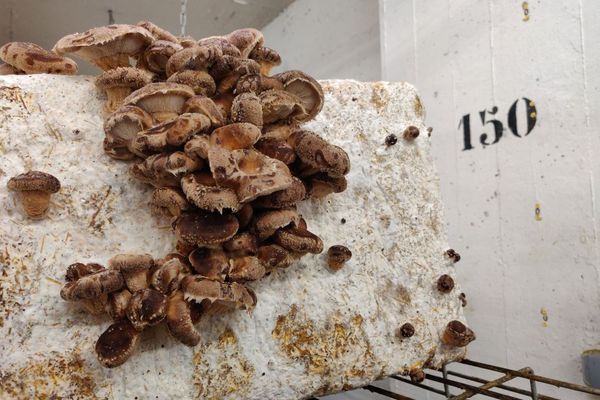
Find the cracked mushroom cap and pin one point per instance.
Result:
(457, 334)
(116, 344)
(278, 149)
(306, 88)
(280, 105)
(197, 57)
(135, 269)
(257, 83)
(268, 222)
(147, 307)
(201, 190)
(204, 228)
(165, 169)
(78, 270)
(320, 154)
(197, 147)
(283, 198)
(92, 286)
(202, 83)
(157, 32)
(118, 83)
(239, 135)
(123, 125)
(225, 45)
(245, 40)
(166, 278)
(179, 320)
(210, 263)
(169, 199)
(206, 106)
(225, 296)
(156, 55)
(246, 268)
(34, 181)
(273, 256)
(242, 244)
(250, 173)
(106, 47)
(118, 303)
(246, 107)
(33, 59)
(172, 133)
(163, 100)
(298, 240)
(266, 57)
(321, 185)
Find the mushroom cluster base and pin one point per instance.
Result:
(312, 332)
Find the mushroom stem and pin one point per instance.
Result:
(112, 62)
(35, 202)
(163, 116)
(115, 97)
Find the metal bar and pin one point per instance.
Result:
(504, 387)
(387, 393)
(490, 384)
(419, 385)
(446, 387)
(475, 389)
(533, 385)
(537, 378)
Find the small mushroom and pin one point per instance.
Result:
(202, 228)
(417, 375)
(157, 32)
(257, 83)
(179, 320)
(118, 303)
(321, 185)
(240, 135)
(92, 286)
(166, 278)
(405, 331)
(242, 244)
(33, 59)
(267, 223)
(202, 83)
(298, 240)
(118, 83)
(163, 100)
(445, 284)
(169, 199)
(34, 189)
(106, 47)
(283, 198)
(156, 55)
(246, 268)
(245, 40)
(217, 297)
(453, 255)
(76, 271)
(202, 190)
(209, 263)
(135, 269)
(116, 344)
(196, 57)
(246, 107)
(147, 307)
(250, 173)
(307, 89)
(266, 57)
(121, 128)
(318, 153)
(273, 256)
(337, 256)
(281, 106)
(278, 149)
(410, 133)
(204, 105)
(197, 147)
(457, 334)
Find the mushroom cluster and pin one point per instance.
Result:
(220, 140)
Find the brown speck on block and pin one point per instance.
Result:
(391, 140)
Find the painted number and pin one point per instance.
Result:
(494, 128)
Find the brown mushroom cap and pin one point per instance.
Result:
(202, 83)
(280, 105)
(225, 45)
(246, 268)
(93, 286)
(229, 69)
(257, 83)
(106, 46)
(165, 169)
(266, 223)
(298, 240)
(283, 198)
(147, 307)
(223, 102)
(198, 57)
(197, 147)
(179, 320)
(123, 125)
(156, 55)
(76, 271)
(206, 106)
(321, 185)
(279, 149)
(273, 256)
(250, 173)
(320, 154)
(202, 190)
(245, 40)
(266, 57)
(166, 278)
(34, 181)
(457, 334)
(204, 228)
(118, 83)
(225, 296)
(116, 344)
(242, 244)
(278, 131)
(209, 263)
(158, 32)
(240, 135)
(306, 88)
(186, 41)
(170, 199)
(246, 107)
(135, 269)
(164, 100)
(33, 59)
(337, 256)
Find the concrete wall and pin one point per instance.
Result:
(532, 279)
(328, 39)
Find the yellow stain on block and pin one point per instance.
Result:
(544, 313)
(525, 6)
(538, 212)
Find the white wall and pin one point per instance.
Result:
(465, 56)
(328, 39)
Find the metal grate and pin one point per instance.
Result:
(475, 385)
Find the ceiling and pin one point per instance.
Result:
(44, 22)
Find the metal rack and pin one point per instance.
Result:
(474, 385)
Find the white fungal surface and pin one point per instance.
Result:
(312, 332)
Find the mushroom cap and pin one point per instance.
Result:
(158, 32)
(118, 303)
(268, 222)
(232, 67)
(116, 344)
(202, 190)
(239, 135)
(246, 268)
(320, 154)
(206, 106)
(199, 57)
(131, 263)
(298, 240)
(227, 48)
(166, 277)
(204, 228)
(33, 59)
(337, 256)
(93, 286)
(250, 173)
(198, 146)
(147, 307)
(103, 42)
(157, 55)
(244, 215)
(445, 283)
(171, 199)
(245, 39)
(266, 57)
(174, 132)
(78, 270)
(34, 180)
(283, 198)
(160, 97)
(246, 107)
(116, 150)
(257, 83)
(209, 263)
(273, 256)
(155, 171)
(202, 83)
(223, 102)
(130, 77)
(306, 88)
(278, 149)
(232, 295)
(321, 184)
(186, 41)
(457, 334)
(242, 244)
(126, 122)
(280, 105)
(279, 131)
(179, 320)
(7, 69)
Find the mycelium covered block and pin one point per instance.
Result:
(312, 332)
